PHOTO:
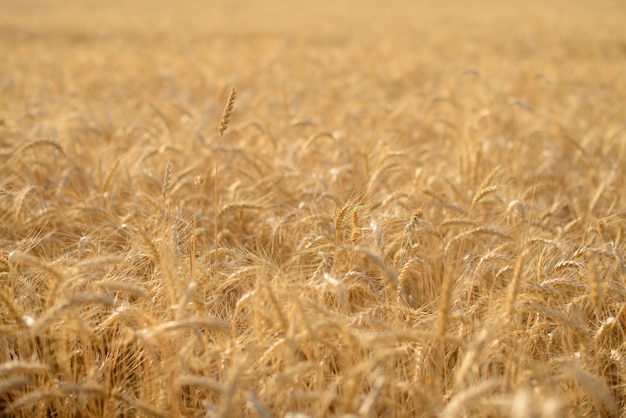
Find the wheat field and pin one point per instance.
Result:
(340, 208)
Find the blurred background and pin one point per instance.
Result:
(347, 17)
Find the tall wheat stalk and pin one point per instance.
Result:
(228, 111)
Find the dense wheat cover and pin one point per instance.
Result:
(403, 208)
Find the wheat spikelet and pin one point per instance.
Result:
(458, 222)
(515, 284)
(228, 111)
(21, 197)
(619, 257)
(484, 189)
(275, 308)
(152, 248)
(605, 335)
(340, 220)
(389, 273)
(482, 230)
(195, 323)
(355, 231)
(415, 217)
(407, 268)
(521, 209)
(484, 192)
(439, 197)
(167, 180)
(565, 264)
(541, 268)
(133, 290)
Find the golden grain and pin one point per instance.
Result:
(407, 229)
(228, 111)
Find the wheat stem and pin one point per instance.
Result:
(225, 121)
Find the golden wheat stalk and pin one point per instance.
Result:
(224, 122)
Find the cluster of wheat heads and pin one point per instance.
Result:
(476, 291)
(458, 250)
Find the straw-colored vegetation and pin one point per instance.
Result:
(405, 210)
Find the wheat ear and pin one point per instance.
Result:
(515, 284)
(167, 183)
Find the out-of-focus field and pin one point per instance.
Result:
(419, 208)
